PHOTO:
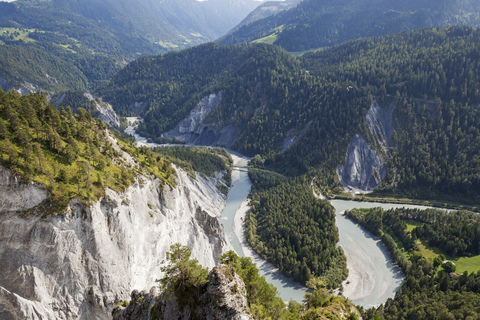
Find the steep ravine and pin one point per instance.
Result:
(79, 264)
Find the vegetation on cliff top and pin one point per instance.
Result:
(74, 156)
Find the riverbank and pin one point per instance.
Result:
(360, 281)
(415, 202)
(287, 288)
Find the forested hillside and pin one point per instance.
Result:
(322, 23)
(99, 37)
(432, 77)
(20, 64)
(265, 93)
(320, 101)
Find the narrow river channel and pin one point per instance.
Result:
(373, 277)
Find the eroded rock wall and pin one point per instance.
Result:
(365, 163)
(15, 195)
(194, 130)
(107, 114)
(80, 264)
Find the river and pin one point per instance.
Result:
(373, 277)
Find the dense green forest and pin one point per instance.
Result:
(265, 93)
(316, 24)
(295, 231)
(19, 64)
(437, 152)
(323, 98)
(431, 76)
(430, 290)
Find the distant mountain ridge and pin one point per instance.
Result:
(100, 37)
(264, 10)
(322, 23)
(151, 25)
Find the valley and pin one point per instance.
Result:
(286, 170)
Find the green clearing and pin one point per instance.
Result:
(67, 47)
(15, 34)
(270, 39)
(469, 264)
(412, 224)
(167, 45)
(301, 53)
(428, 252)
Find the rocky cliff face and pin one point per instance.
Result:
(80, 264)
(107, 114)
(194, 130)
(364, 167)
(223, 298)
(27, 88)
(15, 195)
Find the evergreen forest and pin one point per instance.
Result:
(314, 24)
(322, 99)
(295, 231)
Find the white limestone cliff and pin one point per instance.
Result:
(365, 163)
(16, 195)
(107, 114)
(79, 264)
(194, 130)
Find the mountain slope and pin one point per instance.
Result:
(98, 37)
(264, 10)
(20, 64)
(128, 27)
(323, 23)
(302, 115)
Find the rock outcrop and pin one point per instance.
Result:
(223, 298)
(194, 130)
(15, 195)
(293, 135)
(25, 89)
(363, 170)
(107, 114)
(80, 264)
(364, 167)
